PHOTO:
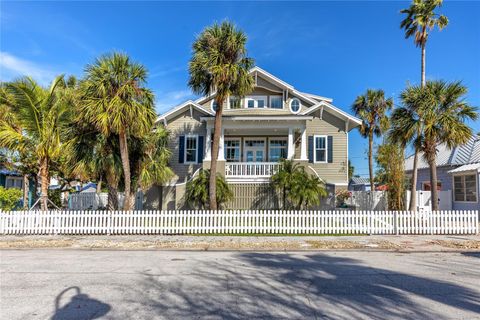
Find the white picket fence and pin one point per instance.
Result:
(235, 222)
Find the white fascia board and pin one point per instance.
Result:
(314, 96)
(271, 77)
(183, 106)
(304, 97)
(334, 109)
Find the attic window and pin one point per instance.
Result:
(295, 105)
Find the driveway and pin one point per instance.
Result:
(81, 284)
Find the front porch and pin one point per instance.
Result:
(251, 151)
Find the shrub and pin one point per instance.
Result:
(197, 190)
(10, 198)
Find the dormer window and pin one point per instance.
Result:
(295, 105)
(276, 102)
(234, 102)
(256, 101)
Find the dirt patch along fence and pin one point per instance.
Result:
(238, 222)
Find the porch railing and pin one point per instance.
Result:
(251, 169)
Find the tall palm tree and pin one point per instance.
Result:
(420, 20)
(444, 113)
(116, 101)
(43, 115)
(220, 66)
(372, 108)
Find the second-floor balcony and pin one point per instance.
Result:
(258, 170)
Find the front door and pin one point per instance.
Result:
(254, 150)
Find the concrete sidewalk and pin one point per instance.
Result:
(152, 242)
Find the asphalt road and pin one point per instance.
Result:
(70, 284)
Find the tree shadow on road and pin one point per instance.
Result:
(80, 306)
(289, 286)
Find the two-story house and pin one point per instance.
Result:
(274, 121)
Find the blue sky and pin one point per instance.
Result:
(333, 49)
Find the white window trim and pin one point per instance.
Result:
(185, 149)
(299, 103)
(270, 101)
(315, 148)
(265, 146)
(475, 173)
(239, 147)
(269, 146)
(255, 104)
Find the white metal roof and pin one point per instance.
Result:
(465, 154)
(467, 167)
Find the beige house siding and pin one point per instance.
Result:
(335, 172)
(181, 125)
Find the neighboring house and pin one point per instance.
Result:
(359, 184)
(275, 121)
(457, 171)
(10, 179)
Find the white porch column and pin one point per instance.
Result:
(291, 146)
(221, 154)
(208, 144)
(303, 148)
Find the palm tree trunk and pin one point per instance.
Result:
(112, 185)
(433, 182)
(423, 64)
(212, 186)
(99, 185)
(126, 170)
(44, 180)
(413, 193)
(26, 189)
(370, 160)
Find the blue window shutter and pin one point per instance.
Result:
(200, 151)
(310, 149)
(181, 150)
(330, 149)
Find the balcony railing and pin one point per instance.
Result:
(251, 169)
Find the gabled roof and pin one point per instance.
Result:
(317, 102)
(465, 154)
(330, 107)
(180, 108)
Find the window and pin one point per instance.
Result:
(465, 188)
(12, 182)
(234, 102)
(191, 143)
(214, 105)
(426, 186)
(278, 149)
(256, 101)
(232, 150)
(295, 105)
(320, 148)
(276, 102)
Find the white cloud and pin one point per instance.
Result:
(167, 100)
(12, 67)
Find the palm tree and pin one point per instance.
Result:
(197, 195)
(372, 108)
(219, 66)
(443, 111)
(420, 20)
(284, 179)
(43, 115)
(116, 101)
(306, 189)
